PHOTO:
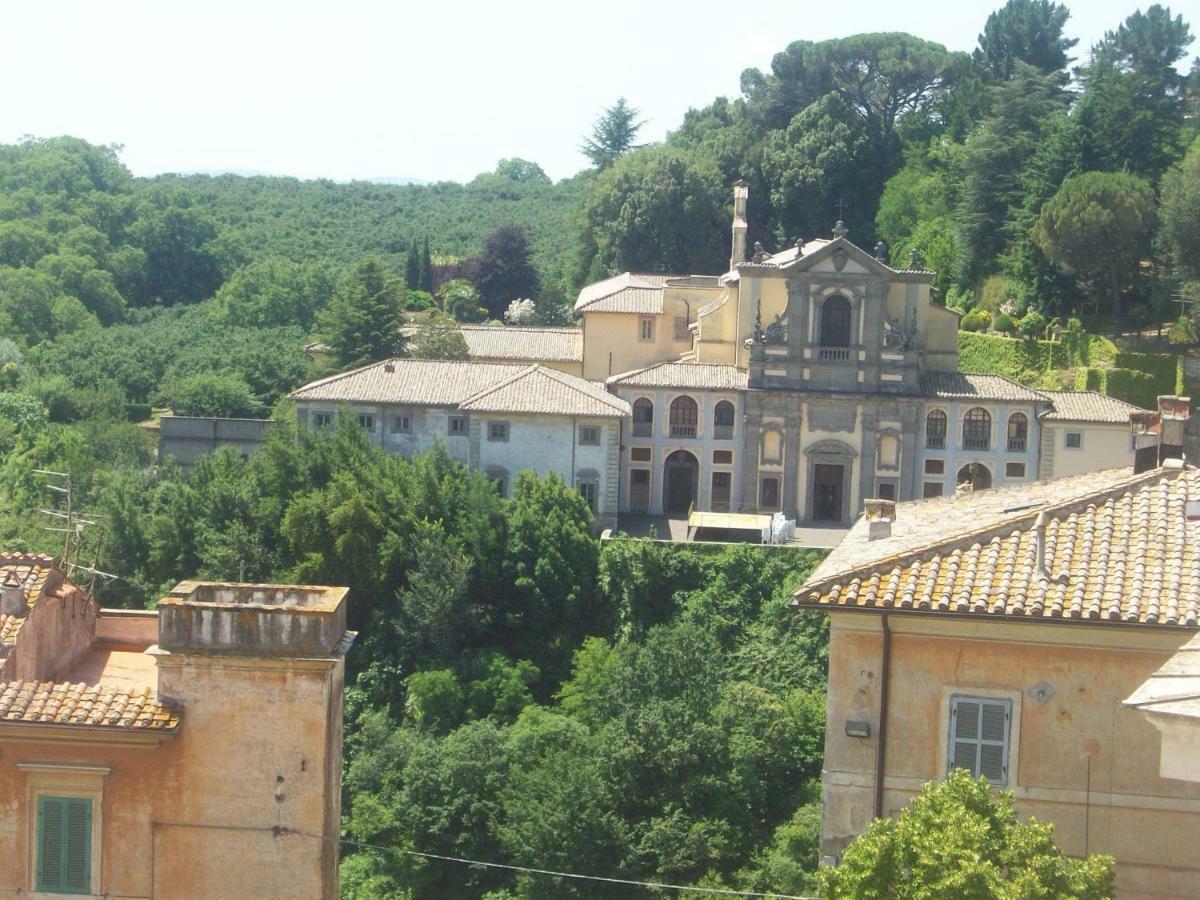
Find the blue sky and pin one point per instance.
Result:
(440, 89)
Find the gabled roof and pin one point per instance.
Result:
(1117, 549)
(1088, 406)
(420, 382)
(541, 390)
(625, 293)
(94, 706)
(689, 376)
(482, 387)
(795, 259)
(520, 343)
(972, 386)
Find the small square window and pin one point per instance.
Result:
(456, 426)
(885, 490)
(401, 424)
(589, 435)
(935, 467)
(641, 454)
(323, 419)
(722, 457)
(590, 491)
(367, 421)
(932, 489)
(681, 328)
(1074, 440)
(645, 329)
(1014, 470)
(497, 431)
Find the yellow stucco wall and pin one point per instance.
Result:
(612, 341)
(259, 747)
(1080, 760)
(1101, 447)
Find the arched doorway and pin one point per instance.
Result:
(977, 475)
(681, 477)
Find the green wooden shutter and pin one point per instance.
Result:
(979, 737)
(64, 845)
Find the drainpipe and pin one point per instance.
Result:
(881, 752)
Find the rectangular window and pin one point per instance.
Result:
(681, 328)
(499, 478)
(1014, 470)
(456, 426)
(979, 731)
(641, 454)
(590, 491)
(367, 421)
(402, 424)
(721, 482)
(323, 419)
(1074, 440)
(932, 489)
(935, 467)
(589, 435)
(645, 329)
(497, 431)
(768, 497)
(64, 845)
(885, 490)
(722, 457)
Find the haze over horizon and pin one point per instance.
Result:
(372, 92)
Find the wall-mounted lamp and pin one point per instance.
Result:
(858, 728)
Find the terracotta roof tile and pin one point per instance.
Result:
(972, 386)
(519, 343)
(547, 391)
(31, 569)
(628, 292)
(59, 703)
(1088, 406)
(691, 376)
(1121, 552)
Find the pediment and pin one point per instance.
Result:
(839, 255)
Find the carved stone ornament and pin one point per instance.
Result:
(776, 332)
(840, 256)
(898, 335)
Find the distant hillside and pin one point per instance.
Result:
(341, 222)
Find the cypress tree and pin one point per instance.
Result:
(426, 274)
(412, 268)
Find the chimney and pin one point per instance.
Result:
(880, 516)
(741, 191)
(12, 595)
(1158, 436)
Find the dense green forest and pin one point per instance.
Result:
(522, 693)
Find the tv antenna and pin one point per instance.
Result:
(72, 525)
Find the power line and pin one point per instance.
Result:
(553, 874)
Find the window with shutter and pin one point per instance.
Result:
(64, 850)
(979, 737)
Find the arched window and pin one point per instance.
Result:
(977, 429)
(723, 420)
(685, 415)
(935, 430)
(1018, 432)
(643, 417)
(835, 328)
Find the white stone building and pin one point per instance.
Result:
(497, 419)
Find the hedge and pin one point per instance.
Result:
(1139, 388)
(1009, 357)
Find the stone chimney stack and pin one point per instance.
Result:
(12, 596)
(741, 191)
(880, 516)
(1158, 436)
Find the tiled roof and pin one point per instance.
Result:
(519, 343)
(625, 293)
(970, 386)
(541, 390)
(483, 387)
(31, 570)
(1174, 690)
(417, 381)
(50, 703)
(1116, 552)
(1088, 406)
(692, 376)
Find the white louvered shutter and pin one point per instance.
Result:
(979, 737)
